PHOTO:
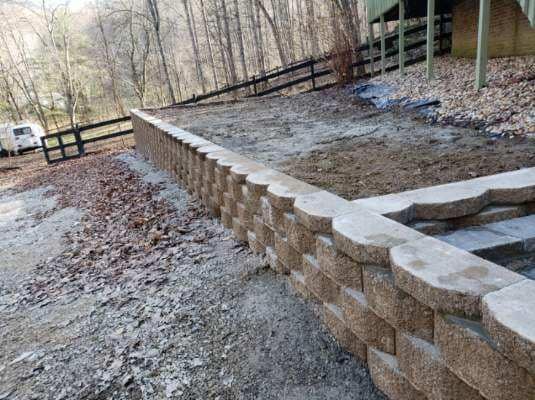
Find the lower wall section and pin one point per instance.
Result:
(431, 321)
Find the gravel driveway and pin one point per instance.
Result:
(146, 297)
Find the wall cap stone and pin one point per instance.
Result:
(285, 190)
(446, 278)
(316, 210)
(456, 199)
(368, 237)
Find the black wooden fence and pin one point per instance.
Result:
(296, 74)
(70, 143)
(317, 68)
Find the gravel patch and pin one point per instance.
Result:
(275, 130)
(153, 299)
(506, 106)
(31, 230)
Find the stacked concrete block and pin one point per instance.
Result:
(334, 319)
(471, 354)
(429, 319)
(387, 376)
(336, 265)
(365, 323)
(395, 306)
(446, 278)
(422, 363)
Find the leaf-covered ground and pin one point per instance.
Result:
(141, 295)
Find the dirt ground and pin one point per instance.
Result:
(332, 140)
(117, 285)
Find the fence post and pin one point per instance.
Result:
(312, 75)
(78, 138)
(254, 86)
(45, 150)
(440, 34)
(61, 146)
(370, 47)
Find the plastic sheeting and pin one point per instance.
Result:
(380, 95)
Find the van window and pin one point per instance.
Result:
(22, 131)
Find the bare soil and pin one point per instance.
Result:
(332, 140)
(375, 167)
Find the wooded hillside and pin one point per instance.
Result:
(61, 64)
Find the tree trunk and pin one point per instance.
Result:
(155, 19)
(311, 29)
(111, 66)
(230, 52)
(245, 74)
(276, 34)
(193, 38)
(209, 43)
(220, 43)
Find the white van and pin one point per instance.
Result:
(16, 139)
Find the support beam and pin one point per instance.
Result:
(370, 47)
(401, 37)
(430, 38)
(482, 43)
(382, 29)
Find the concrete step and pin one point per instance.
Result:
(497, 241)
(484, 243)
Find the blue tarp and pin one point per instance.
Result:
(379, 95)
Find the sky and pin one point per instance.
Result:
(76, 5)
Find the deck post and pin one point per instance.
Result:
(370, 47)
(482, 43)
(430, 37)
(383, 61)
(401, 37)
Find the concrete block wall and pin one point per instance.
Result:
(510, 33)
(430, 321)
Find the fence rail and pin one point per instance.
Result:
(391, 50)
(69, 138)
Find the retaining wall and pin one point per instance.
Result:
(430, 320)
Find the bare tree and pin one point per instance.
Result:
(276, 34)
(239, 35)
(230, 52)
(156, 24)
(193, 38)
(209, 44)
(110, 64)
(131, 52)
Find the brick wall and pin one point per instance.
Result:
(510, 31)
